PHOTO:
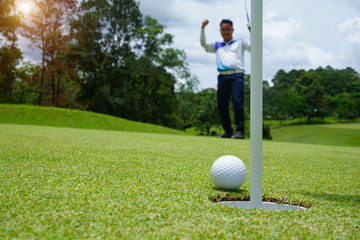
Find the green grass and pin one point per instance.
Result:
(302, 121)
(63, 183)
(344, 134)
(59, 117)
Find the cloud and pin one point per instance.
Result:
(350, 24)
(293, 57)
(300, 56)
(355, 7)
(351, 28)
(207, 1)
(321, 57)
(166, 13)
(303, 56)
(278, 28)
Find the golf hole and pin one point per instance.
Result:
(268, 203)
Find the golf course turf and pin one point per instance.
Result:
(68, 183)
(339, 134)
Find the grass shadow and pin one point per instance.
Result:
(353, 200)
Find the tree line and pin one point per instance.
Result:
(102, 56)
(312, 94)
(106, 57)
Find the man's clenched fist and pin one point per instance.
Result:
(204, 23)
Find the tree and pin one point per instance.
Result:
(283, 80)
(25, 88)
(336, 81)
(126, 63)
(10, 54)
(288, 103)
(315, 93)
(9, 59)
(103, 36)
(9, 22)
(186, 102)
(206, 114)
(153, 75)
(312, 95)
(47, 29)
(346, 105)
(275, 96)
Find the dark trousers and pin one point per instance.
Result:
(231, 85)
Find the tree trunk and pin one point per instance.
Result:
(57, 92)
(42, 78)
(53, 88)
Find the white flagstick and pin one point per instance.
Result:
(256, 104)
(256, 108)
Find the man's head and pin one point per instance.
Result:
(226, 29)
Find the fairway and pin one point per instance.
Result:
(61, 117)
(344, 134)
(63, 183)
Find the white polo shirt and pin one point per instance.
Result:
(229, 56)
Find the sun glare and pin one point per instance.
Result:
(24, 6)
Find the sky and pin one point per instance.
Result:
(297, 34)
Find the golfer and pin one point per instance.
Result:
(230, 65)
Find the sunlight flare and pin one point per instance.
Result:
(25, 6)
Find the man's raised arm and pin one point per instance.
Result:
(206, 46)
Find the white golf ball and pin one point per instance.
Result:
(228, 172)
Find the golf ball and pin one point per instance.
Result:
(228, 172)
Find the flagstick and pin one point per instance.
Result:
(256, 107)
(256, 92)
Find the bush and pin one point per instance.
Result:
(266, 132)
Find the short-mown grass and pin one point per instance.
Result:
(60, 117)
(62, 183)
(344, 134)
(304, 121)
